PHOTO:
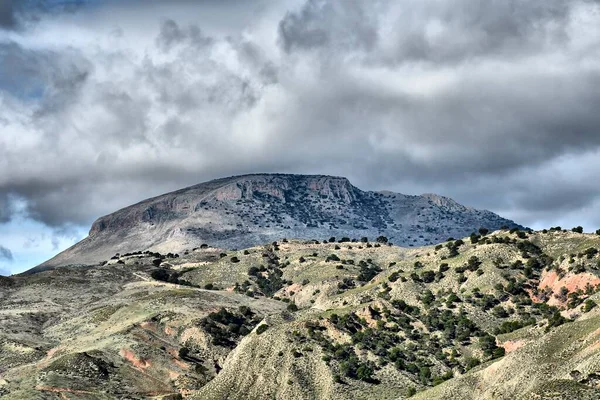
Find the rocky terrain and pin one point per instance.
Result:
(248, 210)
(508, 314)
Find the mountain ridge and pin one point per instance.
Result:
(246, 210)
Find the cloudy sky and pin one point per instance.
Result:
(104, 103)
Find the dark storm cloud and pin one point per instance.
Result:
(5, 210)
(51, 76)
(171, 34)
(7, 13)
(5, 254)
(13, 13)
(492, 102)
(425, 30)
(345, 25)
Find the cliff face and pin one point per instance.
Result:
(231, 194)
(248, 210)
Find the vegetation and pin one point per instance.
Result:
(385, 320)
(225, 327)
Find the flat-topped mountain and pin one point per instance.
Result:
(244, 211)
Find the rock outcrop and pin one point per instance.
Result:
(244, 211)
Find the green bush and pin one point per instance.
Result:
(588, 305)
(261, 329)
(184, 352)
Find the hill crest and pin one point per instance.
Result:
(243, 211)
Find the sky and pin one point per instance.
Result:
(494, 103)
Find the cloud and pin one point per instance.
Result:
(426, 31)
(5, 254)
(7, 14)
(493, 103)
(5, 211)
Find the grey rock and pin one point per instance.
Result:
(244, 211)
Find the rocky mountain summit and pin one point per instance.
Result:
(244, 211)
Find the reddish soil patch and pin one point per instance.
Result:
(49, 356)
(595, 346)
(169, 331)
(512, 345)
(572, 282)
(366, 314)
(181, 364)
(174, 352)
(136, 362)
(151, 326)
(296, 287)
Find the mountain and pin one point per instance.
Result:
(504, 315)
(244, 211)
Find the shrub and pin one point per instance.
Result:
(499, 312)
(160, 275)
(261, 329)
(184, 352)
(364, 372)
(555, 320)
(424, 374)
(382, 239)
(428, 276)
(471, 362)
(225, 326)
(332, 257)
(588, 305)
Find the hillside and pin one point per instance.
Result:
(500, 315)
(245, 211)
